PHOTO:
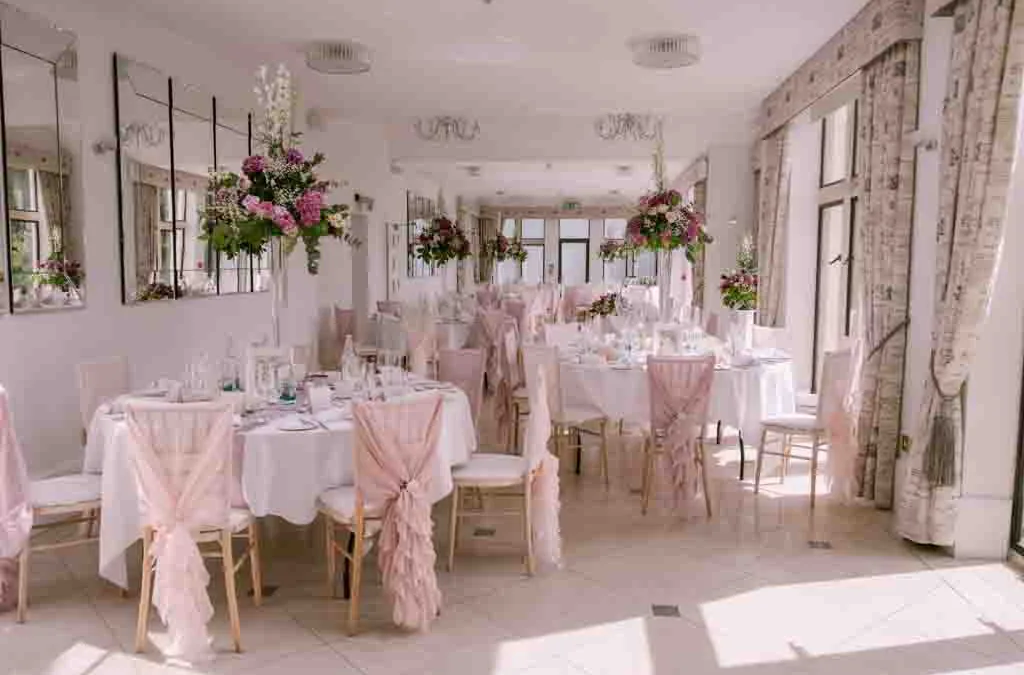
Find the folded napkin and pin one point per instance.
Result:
(319, 398)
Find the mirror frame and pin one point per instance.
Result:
(214, 124)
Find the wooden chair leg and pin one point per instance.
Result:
(648, 475)
(787, 449)
(604, 453)
(332, 557)
(814, 468)
(704, 476)
(760, 460)
(357, 573)
(255, 568)
(743, 457)
(718, 433)
(146, 593)
(229, 587)
(453, 530)
(528, 524)
(23, 572)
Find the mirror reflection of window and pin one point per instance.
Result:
(42, 138)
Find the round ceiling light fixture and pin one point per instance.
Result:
(340, 57)
(663, 51)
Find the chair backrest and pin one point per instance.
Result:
(541, 358)
(465, 369)
(15, 507)
(261, 364)
(538, 424)
(98, 382)
(390, 335)
(561, 335)
(679, 386)
(395, 452)
(835, 381)
(390, 307)
(487, 297)
(344, 324)
(181, 454)
(771, 338)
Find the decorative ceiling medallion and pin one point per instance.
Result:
(628, 127)
(341, 57)
(445, 128)
(665, 50)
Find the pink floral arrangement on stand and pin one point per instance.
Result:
(278, 194)
(441, 242)
(501, 248)
(666, 222)
(612, 250)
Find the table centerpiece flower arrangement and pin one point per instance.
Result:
(607, 305)
(612, 250)
(278, 196)
(739, 286)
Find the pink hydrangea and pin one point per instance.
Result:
(251, 203)
(284, 219)
(294, 156)
(254, 164)
(309, 206)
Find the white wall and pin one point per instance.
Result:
(38, 353)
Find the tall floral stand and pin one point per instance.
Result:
(278, 286)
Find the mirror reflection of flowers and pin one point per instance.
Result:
(502, 248)
(59, 272)
(442, 241)
(612, 250)
(739, 286)
(606, 305)
(278, 194)
(666, 222)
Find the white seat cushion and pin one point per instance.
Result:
(796, 421)
(575, 415)
(340, 502)
(805, 399)
(521, 392)
(239, 519)
(486, 470)
(67, 490)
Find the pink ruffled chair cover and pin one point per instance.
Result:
(546, 528)
(396, 444)
(839, 398)
(465, 369)
(98, 383)
(680, 390)
(487, 297)
(491, 333)
(15, 508)
(182, 463)
(575, 297)
(517, 309)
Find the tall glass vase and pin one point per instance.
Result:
(665, 286)
(278, 286)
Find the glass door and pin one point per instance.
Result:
(573, 251)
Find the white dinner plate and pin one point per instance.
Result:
(155, 392)
(296, 424)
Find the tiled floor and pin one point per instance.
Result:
(753, 599)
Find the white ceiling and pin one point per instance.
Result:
(593, 182)
(520, 60)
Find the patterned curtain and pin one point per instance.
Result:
(485, 264)
(145, 210)
(700, 202)
(772, 224)
(888, 112)
(979, 145)
(57, 204)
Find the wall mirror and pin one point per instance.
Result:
(42, 263)
(170, 135)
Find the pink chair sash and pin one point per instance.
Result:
(492, 333)
(396, 444)
(15, 507)
(516, 309)
(546, 529)
(487, 297)
(182, 463)
(465, 369)
(680, 395)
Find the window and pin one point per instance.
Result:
(835, 290)
(533, 268)
(837, 145)
(508, 228)
(573, 251)
(642, 265)
(179, 206)
(615, 228)
(25, 253)
(21, 190)
(533, 228)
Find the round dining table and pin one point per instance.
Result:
(279, 467)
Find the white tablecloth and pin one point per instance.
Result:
(740, 397)
(281, 472)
